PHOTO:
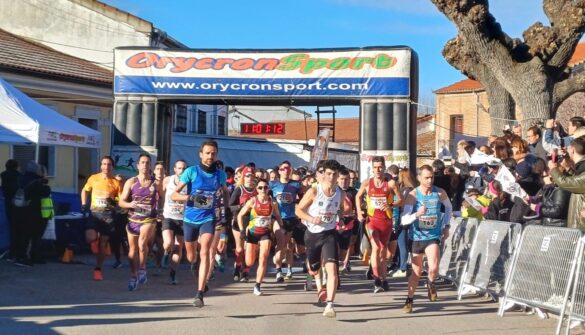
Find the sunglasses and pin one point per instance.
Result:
(262, 188)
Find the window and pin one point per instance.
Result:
(221, 125)
(201, 122)
(181, 119)
(25, 153)
(456, 126)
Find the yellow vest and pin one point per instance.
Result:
(47, 211)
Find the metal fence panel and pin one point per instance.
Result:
(455, 250)
(490, 256)
(578, 298)
(543, 267)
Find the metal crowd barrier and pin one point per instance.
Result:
(490, 258)
(455, 250)
(542, 269)
(577, 302)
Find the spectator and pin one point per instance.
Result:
(9, 187)
(553, 141)
(573, 181)
(524, 166)
(441, 180)
(534, 137)
(501, 206)
(554, 207)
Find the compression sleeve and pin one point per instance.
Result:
(408, 217)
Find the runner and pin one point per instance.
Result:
(285, 192)
(346, 223)
(242, 193)
(144, 192)
(260, 211)
(105, 191)
(422, 209)
(202, 182)
(172, 225)
(156, 247)
(318, 210)
(380, 194)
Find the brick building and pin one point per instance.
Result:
(462, 108)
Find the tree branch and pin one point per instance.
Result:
(567, 18)
(568, 87)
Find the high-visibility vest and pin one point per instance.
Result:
(47, 211)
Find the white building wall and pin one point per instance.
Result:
(82, 28)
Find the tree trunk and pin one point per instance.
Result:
(535, 101)
(501, 107)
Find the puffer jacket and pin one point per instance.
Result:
(575, 184)
(555, 206)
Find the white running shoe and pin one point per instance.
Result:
(257, 291)
(329, 311)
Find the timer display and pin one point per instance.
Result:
(262, 128)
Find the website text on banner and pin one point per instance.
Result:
(376, 72)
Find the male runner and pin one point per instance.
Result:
(318, 209)
(380, 194)
(172, 225)
(422, 209)
(285, 191)
(141, 196)
(346, 223)
(105, 191)
(202, 182)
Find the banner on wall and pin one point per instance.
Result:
(368, 72)
(126, 157)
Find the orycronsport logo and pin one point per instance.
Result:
(290, 87)
(301, 62)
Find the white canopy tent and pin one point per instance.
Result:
(25, 121)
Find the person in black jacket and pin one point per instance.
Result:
(9, 187)
(501, 207)
(554, 208)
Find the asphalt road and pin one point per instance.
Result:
(63, 299)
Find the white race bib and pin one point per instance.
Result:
(100, 202)
(143, 210)
(263, 221)
(427, 222)
(379, 202)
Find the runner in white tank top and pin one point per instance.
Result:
(172, 226)
(318, 210)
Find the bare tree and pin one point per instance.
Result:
(534, 70)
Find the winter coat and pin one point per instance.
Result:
(555, 206)
(576, 185)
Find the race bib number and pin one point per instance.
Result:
(379, 202)
(176, 208)
(263, 221)
(143, 210)
(101, 203)
(284, 198)
(427, 222)
(327, 217)
(203, 200)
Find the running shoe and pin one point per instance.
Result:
(142, 278)
(245, 277)
(174, 277)
(279, 277)
(399, 274)
(329, 311)
(206, 288)
(237, 273)
(166, 261)
(370, 273)
(385, 286)
(378, 286)
(407, 308)
(322, 296)
(431, 291)
(23, 262)
(117, 265)
(289, 275)
(257, 290)
(97, 275)
(348, 267)
(219, 263)
(132, 284)
(198, 302)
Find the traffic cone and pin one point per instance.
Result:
(67, 256)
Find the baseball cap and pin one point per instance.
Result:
(494, 162)
(248, 170)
